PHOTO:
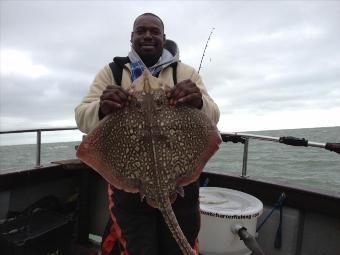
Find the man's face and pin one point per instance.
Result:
(148, 38)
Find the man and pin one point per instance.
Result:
(134, 227)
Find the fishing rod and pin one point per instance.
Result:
(236, 137)
(205, 48)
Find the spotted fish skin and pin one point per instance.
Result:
(152, 148)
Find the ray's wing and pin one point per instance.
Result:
(114, 149)
(191, 140)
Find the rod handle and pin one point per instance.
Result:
(294, 141)
(333, 147)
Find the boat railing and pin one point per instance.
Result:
(38, 140)
(226, 137)
(287, 140)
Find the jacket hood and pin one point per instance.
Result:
(172, 47)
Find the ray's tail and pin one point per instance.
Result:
(177, 233)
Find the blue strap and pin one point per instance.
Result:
(278, 205)
(205, 183)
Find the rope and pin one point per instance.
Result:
(278, 205)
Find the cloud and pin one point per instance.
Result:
(14, 62)
(265, 61)
(245, 121)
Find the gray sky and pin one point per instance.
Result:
(269, 64)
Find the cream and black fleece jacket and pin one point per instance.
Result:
(86, 113)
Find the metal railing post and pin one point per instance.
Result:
(38, 152)
(245, 158)
(38, 144)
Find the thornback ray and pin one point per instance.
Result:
(153, 148)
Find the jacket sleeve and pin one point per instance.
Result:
(86, 113)
(209, 106)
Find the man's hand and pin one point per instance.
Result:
(186, 92)
(113, 97)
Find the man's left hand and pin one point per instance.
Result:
(185, 92)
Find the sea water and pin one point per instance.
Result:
(311, 167)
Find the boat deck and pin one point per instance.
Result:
(311, 219)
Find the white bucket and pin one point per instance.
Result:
(221, 209)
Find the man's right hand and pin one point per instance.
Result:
(113, 97)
